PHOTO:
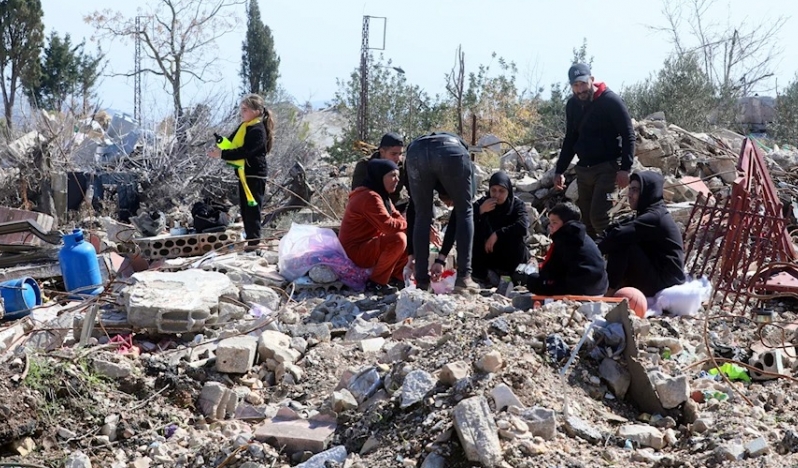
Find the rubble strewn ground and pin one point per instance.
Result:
(217, 361)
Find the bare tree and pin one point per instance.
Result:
(455, 86)
(736, 58)
(178, 37)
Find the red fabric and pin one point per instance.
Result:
(547, 257)
(600, 88)
(373, 238)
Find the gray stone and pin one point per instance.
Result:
(415, 303)
(731, 451)
(364, 384)
(286, 355)
(673, 391)
(113, 370)
(434, 460)
(269, 341)
(616, 376)
(415, 387)
(217, 401)
(322, 274)
(576, 427)
(236, 355)
(77, 460)
(319, 331)
(343, 400)
(503, 397)
(336, 454)
(477, 431)
(644, 435)
(490, 362)
(757, 447)
(701, 425)
(454, 371)
(363, 330)
(65, 433)
(262, 295)
(542, 422)
(176, 302)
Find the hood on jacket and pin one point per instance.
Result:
(651, 189)
(571, 230)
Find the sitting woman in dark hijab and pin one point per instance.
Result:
(373, 231)
(501, 223)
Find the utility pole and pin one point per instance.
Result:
(137, 72)
(363, 107)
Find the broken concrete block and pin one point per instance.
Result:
(113, 370)
(616, 376)
(217, 401)
(724, 167)
(343, 400)
(757, 447)
(77, 460)
(644, 435)
(541, 421)
(504, 397)
(236, 355)
(409, 332)
(318, 331)
(769, 361)
(673, 391)
(271, 340)
(415, 387)
(372, 345)
(577, 427)
(23, 447)
(262, 295)
(176, 302)
(454, 371)
(364, 384)
(286, 355)
(362, 330)
(335, 456)
(731, 451)
(490, 362)
(477, 431)
(295, 434)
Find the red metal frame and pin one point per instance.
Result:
(742, 245)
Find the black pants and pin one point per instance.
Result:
(631, 267)
(507, 254)
(251, 214)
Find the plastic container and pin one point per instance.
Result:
(19, 297)
(79, 265)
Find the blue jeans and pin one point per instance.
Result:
(443, 160)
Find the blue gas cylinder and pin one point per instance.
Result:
(79, 265)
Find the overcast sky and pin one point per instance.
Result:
(319, 41)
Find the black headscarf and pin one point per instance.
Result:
(376, 170)
(502, 179)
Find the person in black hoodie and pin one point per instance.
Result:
(251, 142)
(573, 263)
(646, 252)
(599, 130)
(501, 223)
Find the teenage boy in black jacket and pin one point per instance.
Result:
(599, 131)
(645, 253)
(573, 264)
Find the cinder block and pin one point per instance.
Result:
(217, 401)
(236, 355)
(770, 361)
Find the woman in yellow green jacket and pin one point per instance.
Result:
(246, 151)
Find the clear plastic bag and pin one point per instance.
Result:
(305, 246)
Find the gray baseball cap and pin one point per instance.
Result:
(579, 72)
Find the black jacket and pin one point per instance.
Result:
(253, 151)
(574, 265)
(653, 230)
(592, 131)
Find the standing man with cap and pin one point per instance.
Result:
(599, 131)
(391, 147)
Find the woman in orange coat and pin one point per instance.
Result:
(373, 231)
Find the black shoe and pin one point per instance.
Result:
(383, 289)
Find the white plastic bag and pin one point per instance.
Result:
(305, 246)
(682, 299)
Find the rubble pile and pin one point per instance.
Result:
(217, 360)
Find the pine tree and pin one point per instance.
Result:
(259, 62)
(21, 41)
